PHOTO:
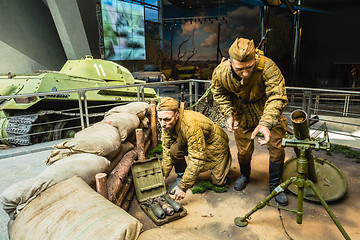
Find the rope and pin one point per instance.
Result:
(282, 223)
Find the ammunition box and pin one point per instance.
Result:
(149, 183)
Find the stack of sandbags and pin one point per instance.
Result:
(105, 138)
(87, 154)
(84, 165)
(72, 210)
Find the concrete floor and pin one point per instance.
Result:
(17, 164)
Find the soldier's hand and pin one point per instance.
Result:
(178, 193)
(232, 124)
(264, 131)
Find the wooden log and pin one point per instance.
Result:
(125, 147)
(146, 147)
(101, 184)
(118, 174)
(128, 198)
(154, 126)
(123, 191)
(140, 144)
(147, 133)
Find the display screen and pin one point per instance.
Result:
(124, 30)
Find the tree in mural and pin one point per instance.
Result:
(183, 53)
(192, 52)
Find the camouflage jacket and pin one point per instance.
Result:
(206, 142)
(259, 101)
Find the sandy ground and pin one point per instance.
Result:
(211, 215)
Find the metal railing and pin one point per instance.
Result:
(347, 103)
(313, 100)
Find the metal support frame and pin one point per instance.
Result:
(196, 91)
(190, 92)
(292, 100)
(142, 88)
(138, 93)
(81, 110)
(317, 102)
(86, 109)
(346, 105)
(306, 102)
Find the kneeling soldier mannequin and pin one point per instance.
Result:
(189, 133)
(250, 91)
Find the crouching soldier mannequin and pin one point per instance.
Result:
(189, 133)
(250, 91)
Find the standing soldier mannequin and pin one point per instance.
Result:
(250, 91)
(189, 133)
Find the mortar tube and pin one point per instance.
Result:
(301, 132)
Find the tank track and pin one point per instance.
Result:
(19, 128)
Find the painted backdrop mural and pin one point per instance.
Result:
(191, 35)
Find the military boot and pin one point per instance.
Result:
(244, 178)
(177, 181)
(275, 174)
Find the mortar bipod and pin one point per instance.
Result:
(302, 142)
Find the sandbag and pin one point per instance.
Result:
(84, 165)
(100, 139)
(72, 210)
(140, 109)
(126, 123)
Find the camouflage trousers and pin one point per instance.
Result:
(245, 144)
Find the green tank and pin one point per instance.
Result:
(28, 120)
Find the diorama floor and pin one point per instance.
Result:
(211, 215)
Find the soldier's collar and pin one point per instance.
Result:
(181, 114)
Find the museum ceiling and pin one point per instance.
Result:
(213, 3)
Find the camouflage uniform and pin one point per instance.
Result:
(205, 144)
(259, 101)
